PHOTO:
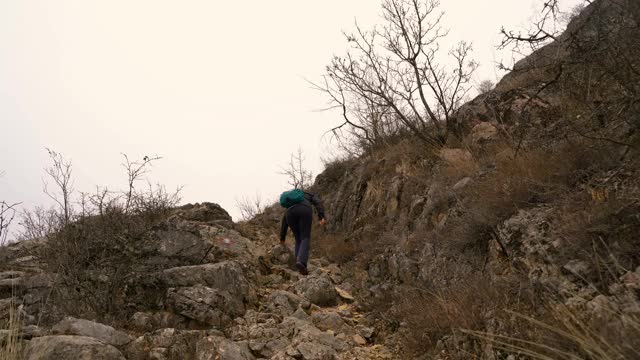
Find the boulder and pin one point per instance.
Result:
(184, 246)
(329, 320)
(316, 351)
(227, 276)
(318, 289)
(305, 332)
(285, 303)
(148, 321)
(206, 305)
(166, 343)
(205, 212)
(219, 348)
(281, 255)
(70, 347)
(81, 327)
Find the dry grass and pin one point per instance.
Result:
(335, 248)
(569, 336)
(510, 183)
(12, 346)
(471, 303)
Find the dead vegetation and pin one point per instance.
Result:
(96, 240)
(394, 79)
(566, 140)
(11, 345)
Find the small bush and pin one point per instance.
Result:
(96, 248)
(447, 311)
(94, 259)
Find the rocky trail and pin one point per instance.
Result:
(230, 298)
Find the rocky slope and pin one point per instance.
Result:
(237, 298)
(519, 238)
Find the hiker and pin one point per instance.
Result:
(298, 217)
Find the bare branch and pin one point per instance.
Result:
(7, 215)
(298, 176)
(60, 172)
(135, 171)
(392, 73)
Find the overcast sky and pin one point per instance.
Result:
(214, 87)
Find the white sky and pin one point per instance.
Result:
(215, 87)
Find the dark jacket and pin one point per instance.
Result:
(309, 199)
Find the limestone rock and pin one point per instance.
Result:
(318, 289)
(206, 305)
(226, 275)
(329, 320)
(219, 348)
(70, 347)
(316, 351)
(166, 343)
(101, 332)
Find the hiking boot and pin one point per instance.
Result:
(302, 269)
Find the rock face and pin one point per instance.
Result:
(226, 307)
(101, 332)
(206, 305)
(205, 212)
(70, 347)
(225, 276)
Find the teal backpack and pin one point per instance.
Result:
(291, 197)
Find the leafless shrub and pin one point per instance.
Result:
(297, 175)
(60, 172)
(485, 86)
(95, 242)
(393, 78)
(250, 207)
(38, 223)
(135, 170)
(93, 258)
(545, 29)
(7, 215)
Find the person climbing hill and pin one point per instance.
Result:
(298, 217)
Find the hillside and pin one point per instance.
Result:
(516, 239)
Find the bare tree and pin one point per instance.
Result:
(298, 176)
(60, 172)
(38, 223)
(250, 207)
(394, 73)
(545, 29)
(7, 215)
(135, 171)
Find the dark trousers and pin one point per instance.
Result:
(299, 218)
